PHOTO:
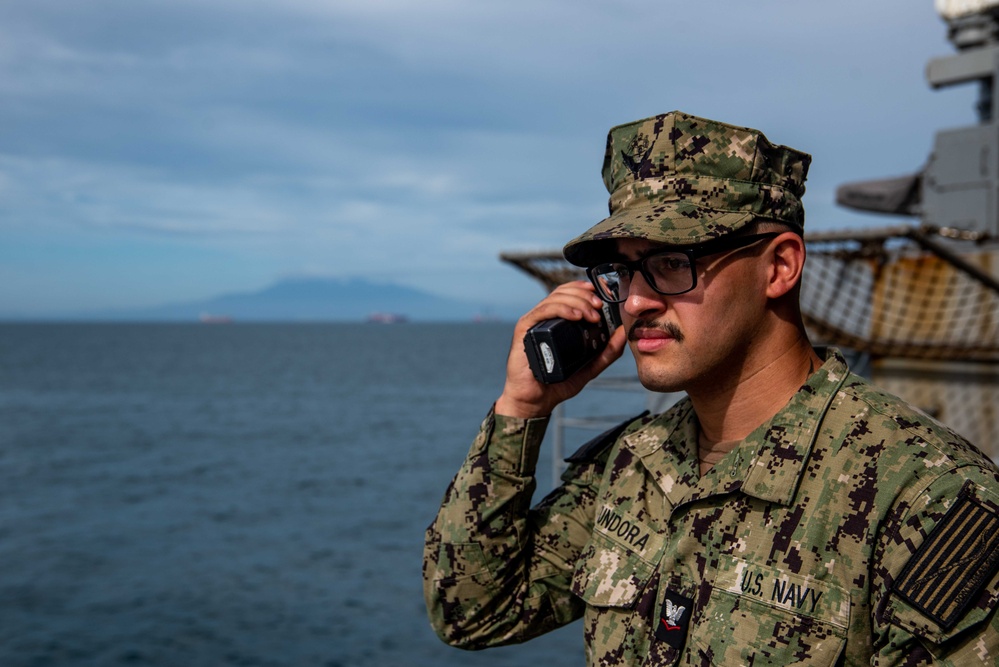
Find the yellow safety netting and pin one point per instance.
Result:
(904, 293)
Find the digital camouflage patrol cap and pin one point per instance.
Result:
(681, 180)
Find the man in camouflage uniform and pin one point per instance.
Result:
(784, 513)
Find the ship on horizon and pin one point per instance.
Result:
(209, 318)
(386, 318)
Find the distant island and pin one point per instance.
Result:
(312, 300)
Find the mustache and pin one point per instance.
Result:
(669, 328)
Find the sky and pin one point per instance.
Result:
(157, 152)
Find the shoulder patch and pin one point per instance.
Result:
(592, 448)
(948, 571)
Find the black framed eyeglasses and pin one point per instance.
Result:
(669, 272)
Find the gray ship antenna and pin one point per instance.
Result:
(973, 29)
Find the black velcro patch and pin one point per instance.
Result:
(674, 619)
(591, 448)
(949, 569)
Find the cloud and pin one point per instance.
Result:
(306, 133)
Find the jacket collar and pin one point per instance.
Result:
(767, 465)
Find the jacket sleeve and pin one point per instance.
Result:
(936, 585)
(495, 570)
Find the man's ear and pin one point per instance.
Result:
(787, 262)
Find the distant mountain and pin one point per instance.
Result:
(312, 299)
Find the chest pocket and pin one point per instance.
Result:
(764, 616)
(617, 562)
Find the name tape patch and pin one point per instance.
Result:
(779, 589)
(625, 529)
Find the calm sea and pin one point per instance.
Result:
(188, 495)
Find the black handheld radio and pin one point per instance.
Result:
(557, 348)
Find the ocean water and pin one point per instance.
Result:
(188, 495)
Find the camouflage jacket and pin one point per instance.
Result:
(850, 529)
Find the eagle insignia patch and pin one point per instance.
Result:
(674, 619)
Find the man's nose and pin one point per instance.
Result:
(642, 299)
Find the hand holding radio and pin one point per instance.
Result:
(561, 344)
(557, 348)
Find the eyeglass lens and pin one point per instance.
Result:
(669, 273)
